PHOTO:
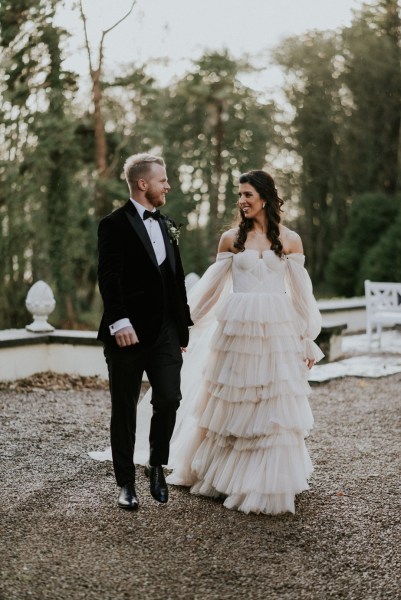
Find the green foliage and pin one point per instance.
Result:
(37, 163)
(345, 91)
(341, 141)
(309, 62)
(382, 261)
(214, 129)
(371, 216)
(372, 77)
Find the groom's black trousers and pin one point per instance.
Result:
(162, 363)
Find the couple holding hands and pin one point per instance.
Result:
(236, 412)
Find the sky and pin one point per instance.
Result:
(181, 31)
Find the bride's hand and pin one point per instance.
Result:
(310, 362)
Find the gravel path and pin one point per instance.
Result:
(63, 536)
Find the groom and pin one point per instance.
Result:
(145, 322)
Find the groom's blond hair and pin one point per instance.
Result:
(138, 166)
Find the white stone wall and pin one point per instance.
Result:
(23, 361)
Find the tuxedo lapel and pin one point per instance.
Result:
(167, 242)
(140, 229)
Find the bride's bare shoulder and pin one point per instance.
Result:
(291, 240)
(227, 240)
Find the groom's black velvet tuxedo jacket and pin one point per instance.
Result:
(130, 281)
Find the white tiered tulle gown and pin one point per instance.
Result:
(245, 413)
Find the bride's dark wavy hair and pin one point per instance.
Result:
(265, 186)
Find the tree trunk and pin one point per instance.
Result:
(103, 204)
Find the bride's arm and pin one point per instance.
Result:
(301, 292)
(203, 296)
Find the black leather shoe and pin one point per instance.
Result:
(127, 498)
(158, 485)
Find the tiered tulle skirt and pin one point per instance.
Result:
(253, 413)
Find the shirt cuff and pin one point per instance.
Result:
(119, 325)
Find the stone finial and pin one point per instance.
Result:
(40, 302)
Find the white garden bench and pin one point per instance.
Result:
(383, 306)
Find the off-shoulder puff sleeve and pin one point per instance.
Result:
(299, 287)
(215, 284)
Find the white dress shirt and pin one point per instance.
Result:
(152, 226)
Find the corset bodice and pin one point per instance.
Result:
(258, 274)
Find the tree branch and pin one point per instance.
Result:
(83, 17)
(106, 31)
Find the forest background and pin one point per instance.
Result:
(332, 144)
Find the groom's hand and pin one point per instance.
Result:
(126, 337)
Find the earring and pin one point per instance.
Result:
(264, 204)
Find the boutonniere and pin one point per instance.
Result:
(173, 231)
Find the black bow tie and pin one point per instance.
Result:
(151, 215)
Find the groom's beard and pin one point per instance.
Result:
(155, 199)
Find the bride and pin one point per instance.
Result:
(244, 414)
